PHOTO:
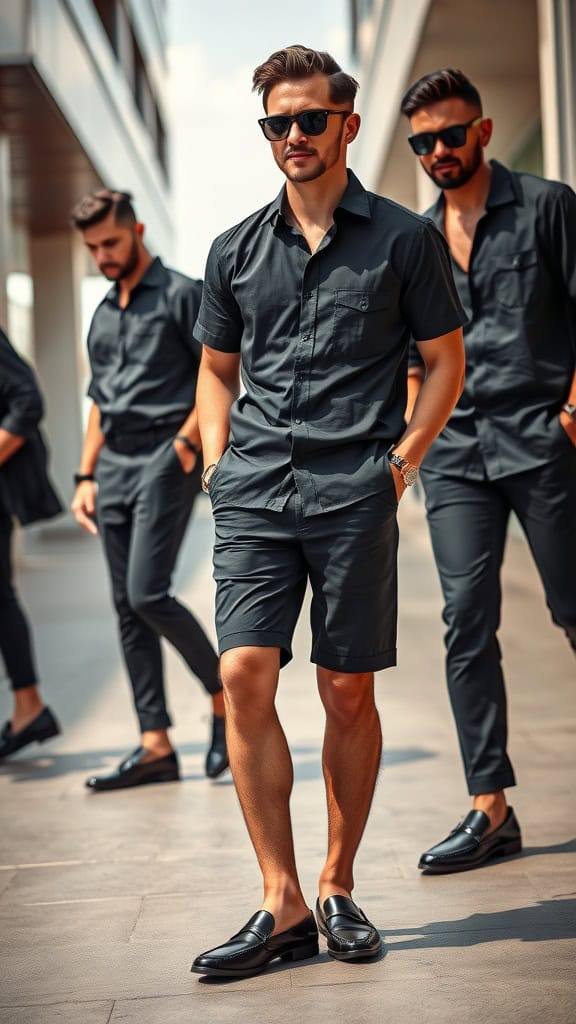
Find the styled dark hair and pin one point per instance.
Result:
(97, 205)
(300, 62)
(443, 84)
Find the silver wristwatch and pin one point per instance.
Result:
(408, 472)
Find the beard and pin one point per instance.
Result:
(455, 179)
(313, 169)
(119, 271)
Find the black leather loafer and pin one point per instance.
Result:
(470, 844)
(134, 771)
(254, 947)
(349, 933)
(217, 756)
(43, 728)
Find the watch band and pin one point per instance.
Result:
(408, 472)
(206, 477)
(570, 409)
(189, 444)
(80, 478)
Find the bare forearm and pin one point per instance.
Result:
(9, 444)
(190, 429)
(93, 441)
(434, 397)
(217, 391)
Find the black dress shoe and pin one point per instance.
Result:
(217, 756)
(350, 934)
(134, 771)
(469, 845)
(254, 947)
(42, 728)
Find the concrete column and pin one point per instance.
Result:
(5, 225)
(557, 31)
(56, 267)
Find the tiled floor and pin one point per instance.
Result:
(105, 899)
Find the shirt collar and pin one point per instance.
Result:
(153, 277)
(502, 191)
(355, 201)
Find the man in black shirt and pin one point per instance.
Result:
(26, 493)
(314, 298)
(140, 473)
(509, 445)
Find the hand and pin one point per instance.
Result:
(569, 425)
(84, 506)
(399, 485)
(188, 458)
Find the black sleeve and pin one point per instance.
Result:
(220, 324)
(20, 399)
(429, 300)
(185, 305)
(556, 225)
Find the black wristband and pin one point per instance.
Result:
(189, 444)
(79, 478)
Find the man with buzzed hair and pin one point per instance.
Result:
(139, 473)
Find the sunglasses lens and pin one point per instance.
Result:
(422, 144)
(454, 137)
(313, 122)
(276, 127)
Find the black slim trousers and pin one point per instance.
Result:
(15, 637)
(143, 506)
(468, 521)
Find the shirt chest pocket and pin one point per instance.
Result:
(515, 279)
(360, 319)
(148, 341)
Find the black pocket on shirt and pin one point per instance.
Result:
(359, 323)
(516, 278)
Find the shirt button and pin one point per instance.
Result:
(305, 337)
(297, 421)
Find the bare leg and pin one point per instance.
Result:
(262, 769)
(28, 704)
(350, 760)
(494, 805)
(157, 744)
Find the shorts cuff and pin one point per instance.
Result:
(346, 663)
(257, 638)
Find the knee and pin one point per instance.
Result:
(347, 698)
(144, 602)
(249, 679)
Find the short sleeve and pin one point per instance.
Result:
(429, 300)
(184, 306)
(556, 226)
(219, 324)
(19, 393)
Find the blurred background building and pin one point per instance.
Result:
(521, 54)
(82, 105)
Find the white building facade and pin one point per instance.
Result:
(82, 106)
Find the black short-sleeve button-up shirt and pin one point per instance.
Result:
(324, 341)
(144, 358)
(520, 297)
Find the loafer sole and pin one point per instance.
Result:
(40, 737)
(300, 953)
(507, 849)
(107, 788)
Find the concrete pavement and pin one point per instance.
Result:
(105, 899)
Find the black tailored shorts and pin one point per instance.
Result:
(263, 560)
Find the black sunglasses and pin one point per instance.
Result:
(453, 137)
(310, 122)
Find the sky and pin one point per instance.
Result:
(222, 168)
